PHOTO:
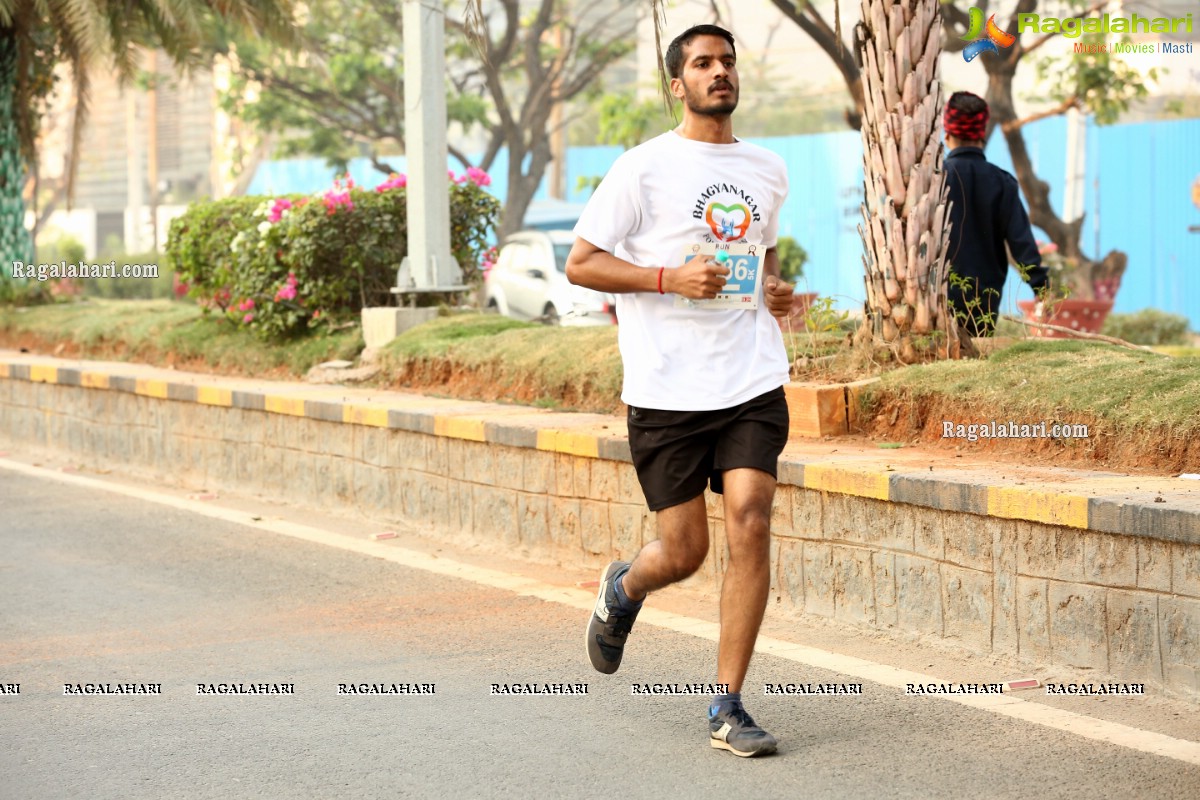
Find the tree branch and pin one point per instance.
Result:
(1023, 7)
(533, 42)
(321, 104)
(600, 61)
(952, 41)
(811, 22)
(459, 155)
(1082, 334)
(1013, 56)
(956, 16)
(493, 150)
(262, 150)
(1011, 126)
(382, 166)
(512, 27)
(495, 58)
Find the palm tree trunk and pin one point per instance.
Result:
(14, 239)
(905, 219)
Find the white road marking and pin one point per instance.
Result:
(1006, 705)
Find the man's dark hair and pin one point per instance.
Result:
(674, 56)
(967, 103)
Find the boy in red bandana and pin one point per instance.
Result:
(986, 214)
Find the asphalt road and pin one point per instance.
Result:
(98, 588)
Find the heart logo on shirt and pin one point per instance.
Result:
(728, 223)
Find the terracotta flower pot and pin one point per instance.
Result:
(1086, 316)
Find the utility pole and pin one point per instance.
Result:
(135, 176)
(1076, 165)
(558, 135)
(429, 266)
(152, 147)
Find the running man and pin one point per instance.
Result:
(703, 382)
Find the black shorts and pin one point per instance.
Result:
(677, 453)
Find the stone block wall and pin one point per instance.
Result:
(1122, 604)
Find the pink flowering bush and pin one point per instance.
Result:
(288, 290)
(278, 208)
(394, 181)
(488, 260)
(285, 265)
(478, 176)
(339, 196)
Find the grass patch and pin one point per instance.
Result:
(434, 339)
(164, 332)
(1061, 381)
(1180, 351)
(576, 368)
(488, 357)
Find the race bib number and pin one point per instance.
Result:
(742, 285)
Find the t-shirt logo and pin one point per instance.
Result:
(727, 210)
(728, 223)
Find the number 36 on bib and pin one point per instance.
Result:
(742, 286)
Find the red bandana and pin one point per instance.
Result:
(965, 126)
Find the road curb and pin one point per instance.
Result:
(1160, 508)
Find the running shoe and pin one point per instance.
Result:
(734, 730)
(610, 623)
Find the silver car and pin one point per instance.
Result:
(529, 281)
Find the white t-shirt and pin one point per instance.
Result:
(658, 199)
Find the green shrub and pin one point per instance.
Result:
(1149, 327)
(158, 288)
(23, 291)
(284, 264)
(792, 258)
(63, 247)
(32, 292)
(199, 245)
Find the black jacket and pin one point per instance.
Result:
(986, 213)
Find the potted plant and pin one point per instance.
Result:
(1079, 294)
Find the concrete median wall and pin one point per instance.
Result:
(924, 554)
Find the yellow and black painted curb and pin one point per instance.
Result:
(1134, 506)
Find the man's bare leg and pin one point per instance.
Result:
(680, 550)
(748, 497)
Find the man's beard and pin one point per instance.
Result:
(716, 107)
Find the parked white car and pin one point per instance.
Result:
(529, 281)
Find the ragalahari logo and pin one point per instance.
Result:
(992, 33)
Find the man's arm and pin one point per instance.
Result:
(771, 263)
(591, 267)
(776, 292)
(1019, 235)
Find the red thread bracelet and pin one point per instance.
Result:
(660, 273)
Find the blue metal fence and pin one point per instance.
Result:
(1138, 200)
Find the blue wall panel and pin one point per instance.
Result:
(1138, 199)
